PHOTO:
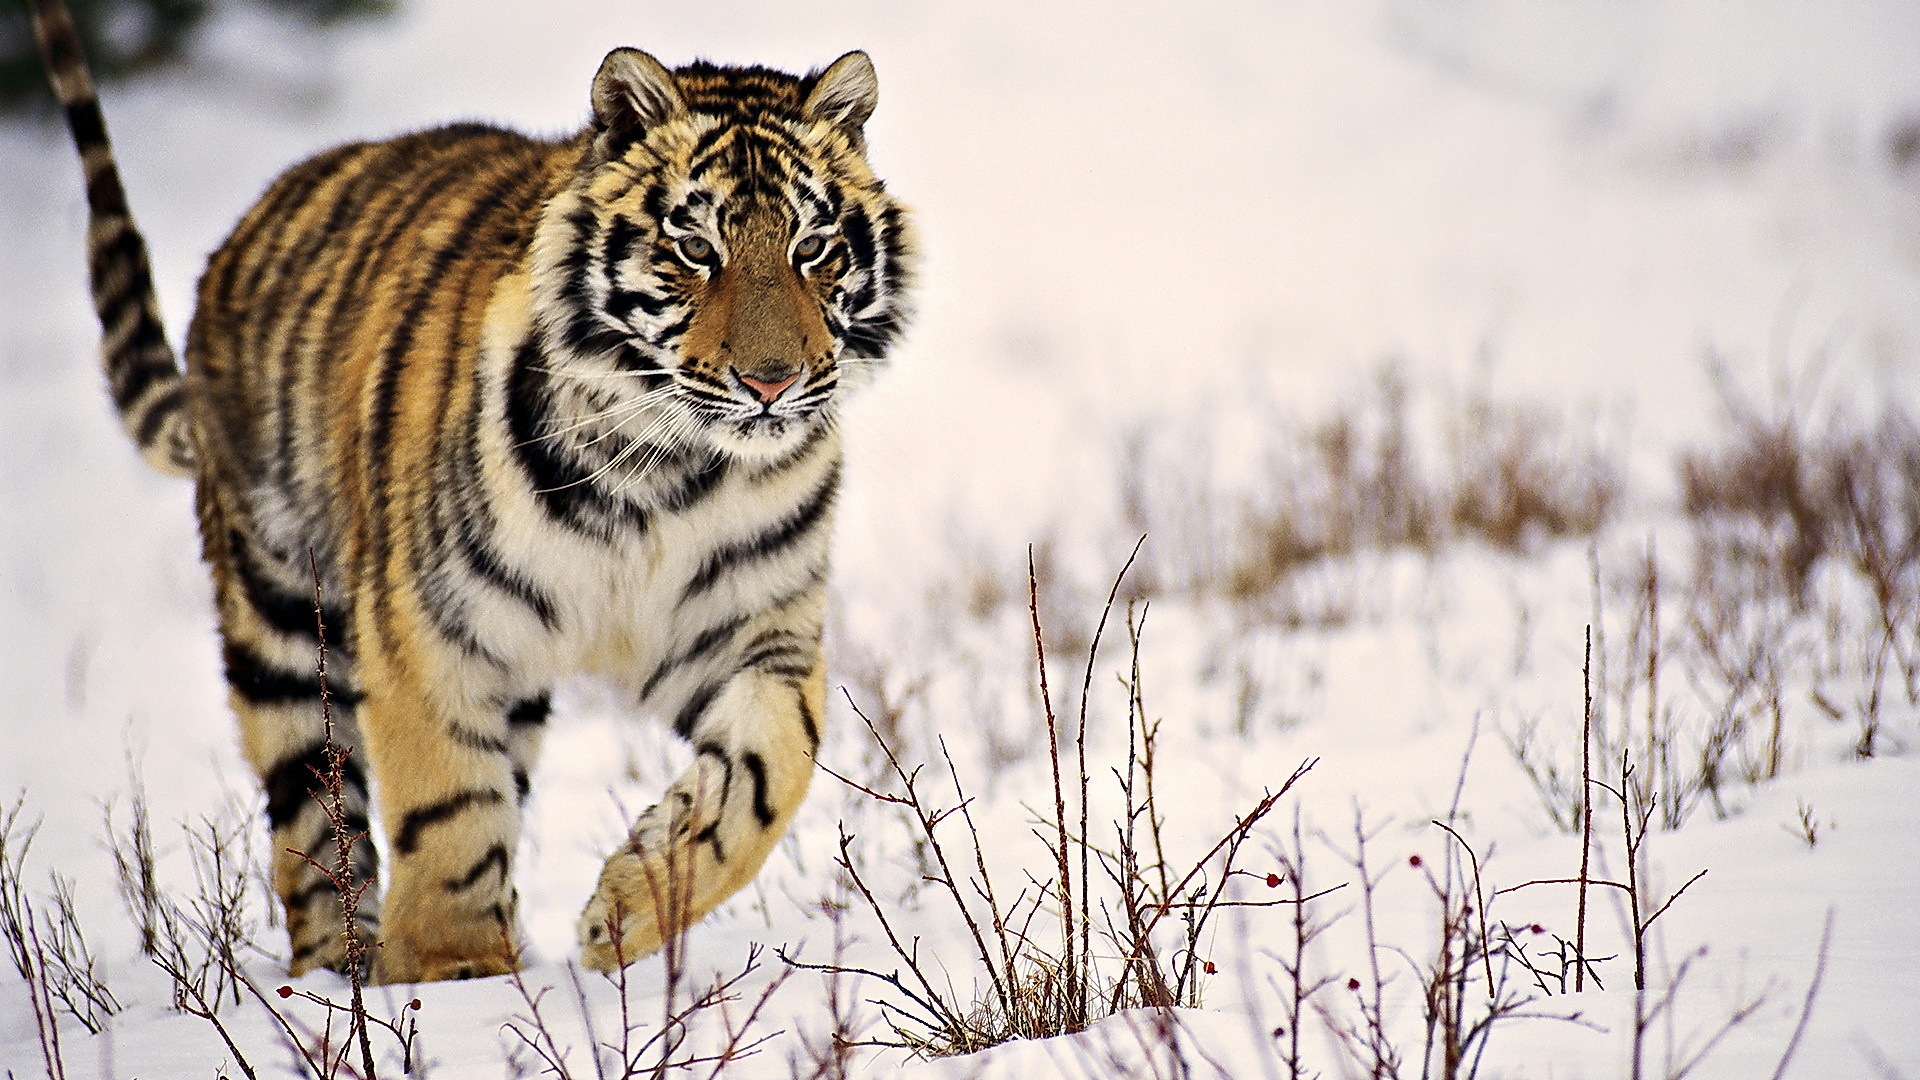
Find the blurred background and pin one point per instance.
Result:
(1402, 327)
(1165, 249)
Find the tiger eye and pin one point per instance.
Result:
(809, 246)
(696, 248)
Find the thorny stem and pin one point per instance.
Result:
(985, 888)
(1653, 667)
(342, 874)
(1586, 816)
(1633, 876)
(932, 1002)
(1806, 1005)
(1071, 966)
(1480, 904)
(928, 822)
(1086, 691)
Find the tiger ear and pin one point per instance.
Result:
(846, 93)
(633, 92)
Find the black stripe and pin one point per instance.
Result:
(284, 611)
(711, 835)
(757, 769)
(483, 561)
(356, 826)
(585, 334)
(273, 217)
(769, 543)
(292, 784)
(262, 683)
(792, 457)
(792, 655)
(522, 785)
(698, 482)
(165, 404)
(695, 707)
(530, 712)
(450, 618)
(560, 482)
(621, 302)
(122, 250)
(671, 332)
(365, 862)
(291, 319)
(407, 840)
(620, 237)
(715, 750)
(301, 897)
(785, 650)
(105, 195)
(709, 640)
(495, 858)
(808, 721)
(713, 638)
(476, 740)
(708, 140)
(134, 369)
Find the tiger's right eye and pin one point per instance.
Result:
(696, 249)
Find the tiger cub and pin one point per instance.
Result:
(535, 407)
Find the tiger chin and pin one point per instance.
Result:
(532, 408)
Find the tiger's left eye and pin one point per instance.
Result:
(695, 249)
(809, 246)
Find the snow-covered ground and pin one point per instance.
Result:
(1203, 221)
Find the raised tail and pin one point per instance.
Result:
(143, 376)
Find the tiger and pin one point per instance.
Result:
(483, 411)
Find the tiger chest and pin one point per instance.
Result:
(676, 603)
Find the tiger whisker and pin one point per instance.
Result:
(624, 408)
(658, 421)
(571, 373)
(653, 450)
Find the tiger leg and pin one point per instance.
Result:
(271, 653)
(451, 771)
(305, 854)
(709, 834)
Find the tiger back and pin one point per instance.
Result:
(529, 408)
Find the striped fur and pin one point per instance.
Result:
(537, 408)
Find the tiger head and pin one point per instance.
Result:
(725, 245)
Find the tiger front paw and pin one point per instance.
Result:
(629, 915)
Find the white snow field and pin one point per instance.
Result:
(1191, 229)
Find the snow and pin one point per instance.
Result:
(1205, 222)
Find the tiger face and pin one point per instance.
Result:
(726, 262)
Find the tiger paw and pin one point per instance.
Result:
(398, 963)
(628, 917)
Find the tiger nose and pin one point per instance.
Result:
(768, 389)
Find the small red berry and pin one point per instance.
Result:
(1273, 881)
(285, 991)
(1415, 860)
(1209, 968)
(1537, 928)
(1353, 984)
(414, 1004)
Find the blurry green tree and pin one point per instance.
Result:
(125, 38)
